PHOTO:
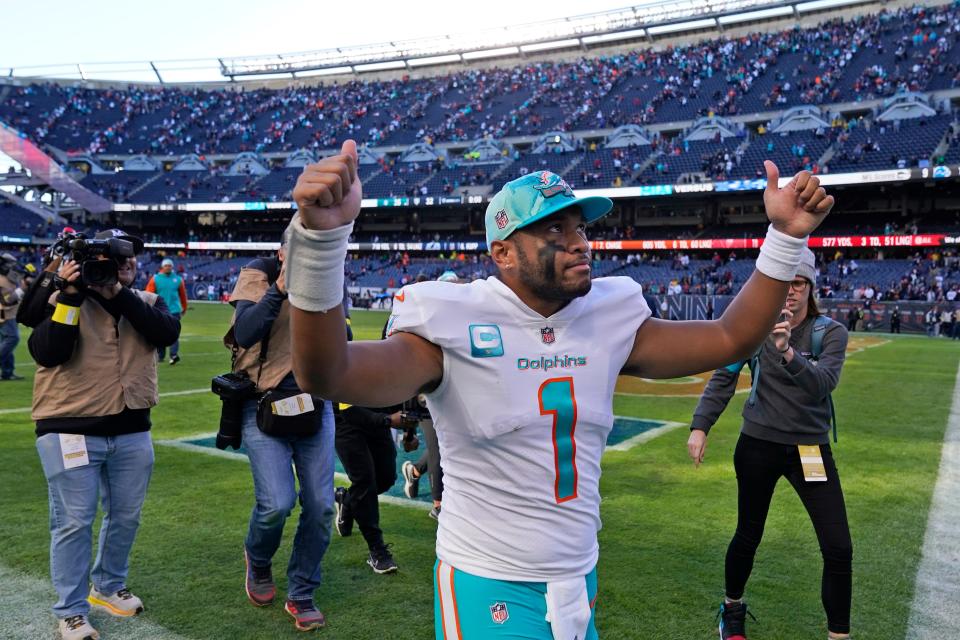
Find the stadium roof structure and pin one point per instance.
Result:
(629, 23)
(645, 21)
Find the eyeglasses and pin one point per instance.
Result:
(799, 284)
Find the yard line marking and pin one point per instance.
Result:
(646, 436)
(668, 395)
(234, 455)
(25, 613)
(935, 612)
(186, 392)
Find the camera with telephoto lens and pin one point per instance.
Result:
(233, 389)
(85, 251)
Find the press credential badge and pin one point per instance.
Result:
(292, 406)
(812, 461)
(73, 449)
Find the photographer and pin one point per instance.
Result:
(11, 292)
(96, 381)
(283, 429)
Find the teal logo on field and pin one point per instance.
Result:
(485, 341)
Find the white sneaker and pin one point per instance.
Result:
(77, 628)
(122, 604)
(411, 482)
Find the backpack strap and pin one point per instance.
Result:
(754, 375)
(820, 325)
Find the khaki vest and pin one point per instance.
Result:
(7, 287)
(251, 285)
(113, 367)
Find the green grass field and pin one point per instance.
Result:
(666, 524)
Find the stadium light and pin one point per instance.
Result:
(381, 66)
(820, 5)
(546, 46)
(683, 26)
(763, 14)
(491, 53)
(422, 62)
(617, 35)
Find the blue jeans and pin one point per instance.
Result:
(174, 348)
(119, 471)
(273, 461)
(9, 338)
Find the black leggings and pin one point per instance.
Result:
(369, 457)
(759, 464)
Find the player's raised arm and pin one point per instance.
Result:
(666, 349)
(376, 374)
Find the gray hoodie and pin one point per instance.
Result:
(791, 405)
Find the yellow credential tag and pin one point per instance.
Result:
(293, 406)
(812, 461)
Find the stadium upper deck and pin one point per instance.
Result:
(836, 68)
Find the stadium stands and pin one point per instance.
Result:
(840, 61)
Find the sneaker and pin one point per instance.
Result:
(174, 360)
(121, 604)
(77, 628)
(12, 376)
(305, 614)
(258, 583)
(344, 519)
(411, 482)
(381, 560)
(733, 620)
(435, 513)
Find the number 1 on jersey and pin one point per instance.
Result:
(556, 397)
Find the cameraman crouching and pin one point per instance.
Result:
(280, 426)
(96, 379)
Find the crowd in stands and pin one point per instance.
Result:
(841, 60)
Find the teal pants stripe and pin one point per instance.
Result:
(476, 604)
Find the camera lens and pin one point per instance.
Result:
(231, 425)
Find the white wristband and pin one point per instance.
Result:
(315, 266)
(780, 255)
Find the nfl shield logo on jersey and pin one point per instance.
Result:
(499, 613)
(547, 335)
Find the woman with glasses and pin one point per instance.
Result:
(785, 433)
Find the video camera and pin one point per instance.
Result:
(71, 245)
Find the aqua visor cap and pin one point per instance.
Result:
(534, 197)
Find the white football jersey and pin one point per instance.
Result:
(522, 415)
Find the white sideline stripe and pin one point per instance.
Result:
(646, 436)
(187, 392)
(935, 613)
(25, 613)
(234, 455)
